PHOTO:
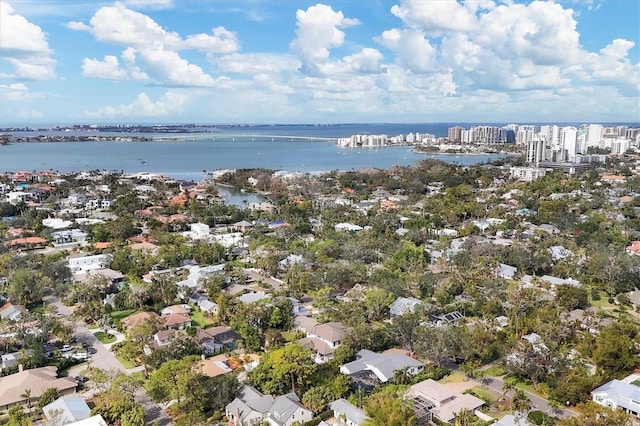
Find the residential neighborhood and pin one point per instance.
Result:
(429, 294)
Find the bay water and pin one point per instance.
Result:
(190, 156)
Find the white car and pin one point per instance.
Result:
(80, 355)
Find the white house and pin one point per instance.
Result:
(348, 227)
(199, 231)
(15, 197)
(402, 305)
(80, 265)
(528, 280)
(347, 413)
(505, 271)
(383, 365)
(68, 237)
(618, 394)
(66, 409)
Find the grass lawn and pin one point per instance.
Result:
(484, 393)
(603, 302)
(521, 384)
(494, 371)
(125, 363)
(105, 338)
(92, 326)
(119, 315)
(454, 378)
(199, 319)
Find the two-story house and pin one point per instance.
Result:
(323, 339)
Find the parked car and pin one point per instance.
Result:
(91, 350)
(81, 379)
(66, 348)
(80, 355)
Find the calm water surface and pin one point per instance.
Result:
(195, 154)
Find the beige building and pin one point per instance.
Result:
(35, 381)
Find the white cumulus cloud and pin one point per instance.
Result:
(24, 45)
(157, 49)
(411, 47)
(109, 68)
(142, 106)
(318, 31)
(256, 63)
(435, 17)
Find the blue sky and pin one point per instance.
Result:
(286, 61)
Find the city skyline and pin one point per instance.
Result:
(164, 61)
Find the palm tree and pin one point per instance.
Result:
(27, 395)
(507, 386)
(462, 418)
(521, 403)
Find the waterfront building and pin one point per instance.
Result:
(454, 134)
(364, 141)
(489, 134)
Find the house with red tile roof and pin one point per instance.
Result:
(135, 320)
(634, 248)
(176, 321)
(27, 243)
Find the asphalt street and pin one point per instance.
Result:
(106, 360)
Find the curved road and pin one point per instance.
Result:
(538, 403)
(106, 360)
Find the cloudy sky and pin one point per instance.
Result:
(295, 61)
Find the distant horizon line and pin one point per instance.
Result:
(249, 124)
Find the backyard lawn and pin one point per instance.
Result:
(198, 318)
(119, 315)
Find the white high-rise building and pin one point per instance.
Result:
(525, 134)
(555, 137)
(536, 150)
(594, 135)
(568, 142)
